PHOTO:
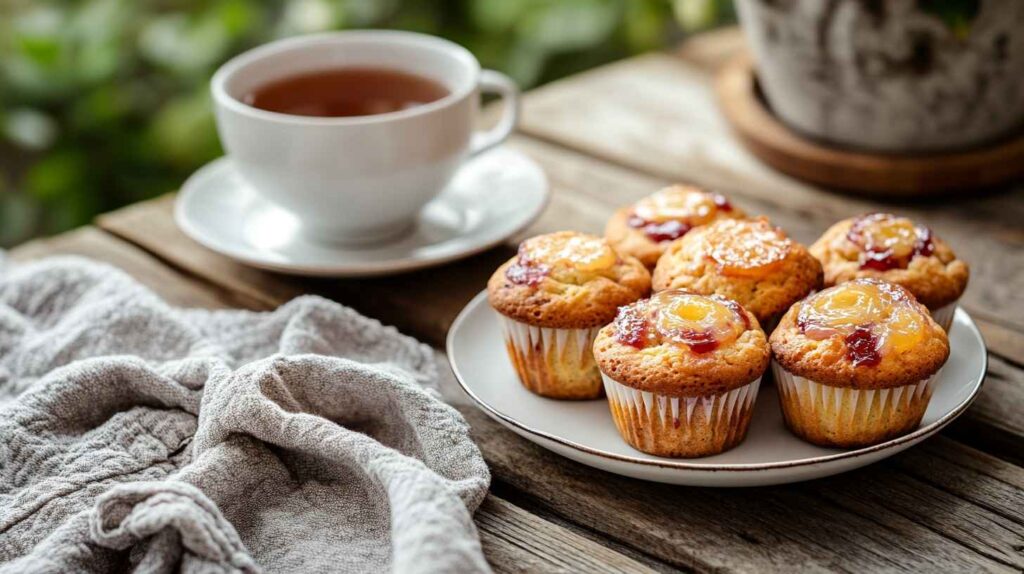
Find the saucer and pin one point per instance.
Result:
(584, 431)
(492, 197)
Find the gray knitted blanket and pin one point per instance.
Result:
(137, 436)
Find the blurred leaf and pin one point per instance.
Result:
(97, 31)
(525, 64)
(185, 45)
(645, 24)
(566, 25)
(184, 132)
(360, 13)
(18, 216)
(29, 128)
(499, 15)
(695, 15)
(240, 18)
(417, 16)
(306, 16)
(57, 175)
(40, 50)
(74, 209)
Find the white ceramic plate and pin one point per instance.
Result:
(584, 431)
(492, 197)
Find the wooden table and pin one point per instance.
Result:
(605, 138)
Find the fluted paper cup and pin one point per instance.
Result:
(688, 427)
(944, 315)
(554, 363)
(846, 417)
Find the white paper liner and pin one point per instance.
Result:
(944, 315)
(846, 416)
(681, 426)
(555, 363)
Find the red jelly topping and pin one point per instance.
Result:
(525, 271)
(862, 347)
(879, 260)
(530, 274)
(659, 232)
(738, 310)
(881, 257)
(631, 327)
(924, 246)
(721, 202)
(699, 341)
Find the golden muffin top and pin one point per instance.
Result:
(566, 280)
(645, 228)
(865, 333)
(895, 249)
(683, 344)
(749, 261)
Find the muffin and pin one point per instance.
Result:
(645, 229)
(895, 249)
(681, 372)
(553, 296)
(749, 261)
(855, 363)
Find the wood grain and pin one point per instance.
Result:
(680, 531)
(878, 175)
(425, 303)
(852, 511)
(170, 284)
(518, 541)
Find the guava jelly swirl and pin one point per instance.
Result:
(702, 323)
(742, 248)
(889, 242)
(547, 255)
(672, 212)
(871, 316)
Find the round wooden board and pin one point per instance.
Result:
(875, 174)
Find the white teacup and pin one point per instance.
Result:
(357, 179)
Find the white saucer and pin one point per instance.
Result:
(584, 431)
(492, 197)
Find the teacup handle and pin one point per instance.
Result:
(500, 84)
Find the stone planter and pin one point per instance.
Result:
(890, 75)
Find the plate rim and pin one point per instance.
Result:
(908, 439)
(375, 269)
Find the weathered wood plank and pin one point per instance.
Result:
(425, 303)
(517, 541)
(513, 539)
(165, 281)
(841, 523)
(658, 116)
(601, 504)
(420, 303)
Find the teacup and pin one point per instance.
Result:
(359, 179)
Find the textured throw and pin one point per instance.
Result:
(137, 436)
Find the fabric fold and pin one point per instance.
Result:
(137, 435)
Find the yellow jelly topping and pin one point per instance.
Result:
(748, 248)
(897, 235)
(677, 203)
(846, 306)
(884, 309)
(904, 329)
(570, 250)
(682, 315)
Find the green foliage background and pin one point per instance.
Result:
(104, 102)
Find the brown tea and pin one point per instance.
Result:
(345, 92)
